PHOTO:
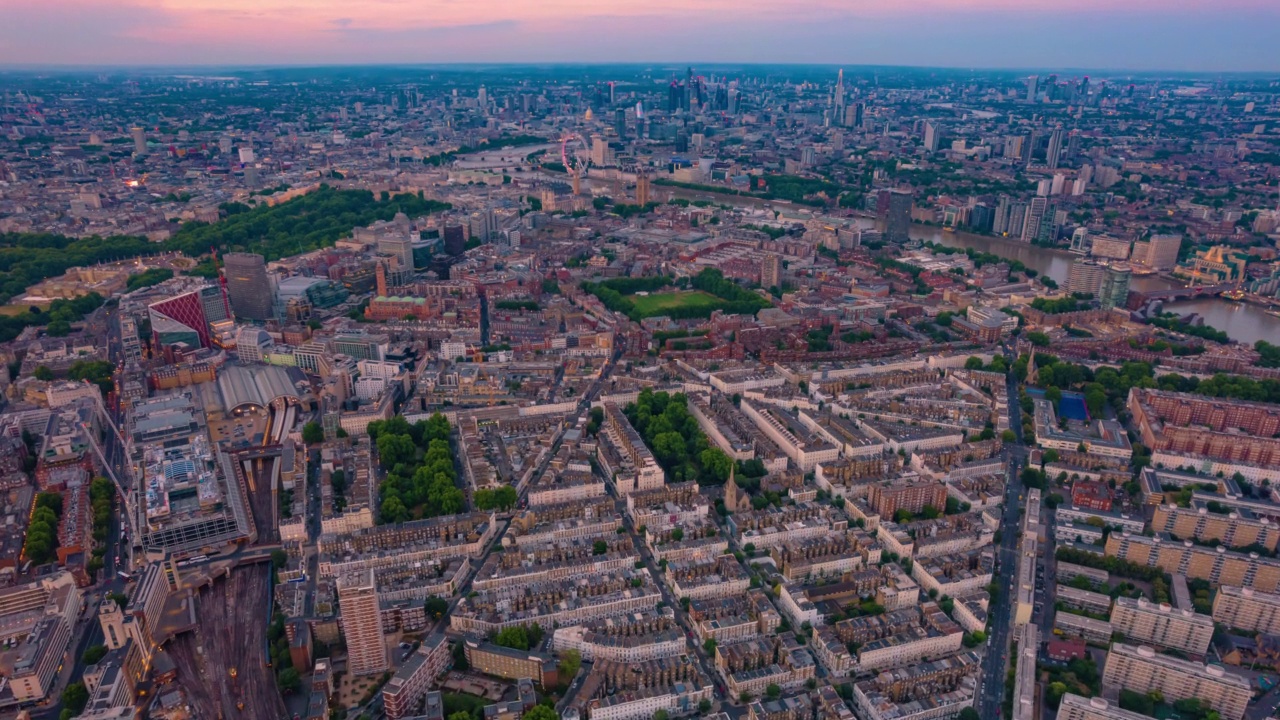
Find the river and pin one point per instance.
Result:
(1244, 323)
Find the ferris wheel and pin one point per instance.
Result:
(575, 153)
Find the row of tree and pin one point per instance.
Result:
(42, 530)
(419, 483)
(673, 435)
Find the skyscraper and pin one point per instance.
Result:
(771, 271)
(1114, 289)
(139, 140)
(620, 121)
(455, 239)
(932, 136)
(1035, 214)
(1162, 252)
(893, 211)
(1013, 147)
(1054, 153)
(248, 286)
(838, 98)
(1000, 223)
(1086, 276)
(853, 115)
(1033, 83)
(362, 624)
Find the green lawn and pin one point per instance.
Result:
(661, 303)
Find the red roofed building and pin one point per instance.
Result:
(1090, 494)
(1065, 649)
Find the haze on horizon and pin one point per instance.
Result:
(1177, 35)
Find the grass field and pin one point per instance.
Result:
(662, 303)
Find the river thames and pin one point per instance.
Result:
(1244, 323)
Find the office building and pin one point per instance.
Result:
(1161, 625)
(39, 657)
(248, 286)
(1141, 669)
(619, 120)
(362, 624)
(399, 247)
(1033, 83)
(180, 319)
(139, 140)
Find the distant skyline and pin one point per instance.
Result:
(1175, 35)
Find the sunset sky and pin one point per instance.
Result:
(1124, 34)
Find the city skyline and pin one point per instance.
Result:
(1126, 35)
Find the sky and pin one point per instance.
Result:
(1184, 35)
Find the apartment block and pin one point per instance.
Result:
(1141, 669)
(1075, 707)
(404, 692)
(1247, 609)
(362, 624)
(1231, 430)
(1162, 625)
(508, 663)
(623, 456)
(1217, 565)
(932, 690)
(805, 447)
(1087, 628)
(908, 492)
(1210, 519)
(1026, 706)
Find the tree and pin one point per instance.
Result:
(973, 363)
(773, 691)
(75, 697)
(43, 373)
(288, 680)
(967, 714)
(709, 645)
(435, 607)
(660, 715)
(514, 637)
(677, 534)
(461, 715)
(1008, 436)
(312, 433)
(501, 498)
(570, 663)
(599, 547)
(704, 706)
(279, 558)
(540, 712)
(93, 654)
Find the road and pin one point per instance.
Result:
(996, 663)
